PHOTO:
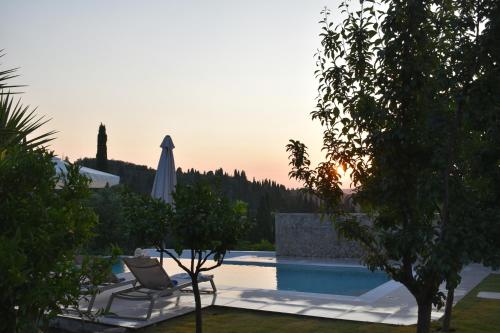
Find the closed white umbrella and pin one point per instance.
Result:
(165, 178)
(98, 179)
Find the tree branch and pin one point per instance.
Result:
(206, 257)
(171, 255)
(198, 264)
(219, 262)
(192, 260)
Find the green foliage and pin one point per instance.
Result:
(127, 219)
(40, 231)
(41, 228)
(147, 219)
(17, 122)
(405, 97)
(480, 153)
(323, 181)
(113, 226)
(264, 198)
(207, 225)
(263, 228)
(263, 245)
(96, 270)
(138, 178)
(203, 221)
(131, 220)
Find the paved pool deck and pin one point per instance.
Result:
(390, 303)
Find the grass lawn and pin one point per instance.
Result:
(471, 315)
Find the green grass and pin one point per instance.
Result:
(263, 245)
(471, 315)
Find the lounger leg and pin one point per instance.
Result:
(108, 306)
(151, 305)
(91, 303)
(213, 286)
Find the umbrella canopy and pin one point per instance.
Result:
(98, 178)
(165, 178)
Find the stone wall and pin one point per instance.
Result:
(306, 235)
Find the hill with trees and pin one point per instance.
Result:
(264, 198)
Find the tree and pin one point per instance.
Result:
(113, 227)
(208, 226)
(102, 150)
(146, 219)
(264, 220)
(476, 141)
(395, 79)
(41, 229)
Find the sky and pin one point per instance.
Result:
(230, 81)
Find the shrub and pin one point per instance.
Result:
(41, 230)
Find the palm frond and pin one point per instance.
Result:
(17, 122)
(5, 76)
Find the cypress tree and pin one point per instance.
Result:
(102, 150)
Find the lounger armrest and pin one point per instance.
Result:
(108, 286)
(186, 277)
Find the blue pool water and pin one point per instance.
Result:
(337, 280)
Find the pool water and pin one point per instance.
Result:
(337, 280)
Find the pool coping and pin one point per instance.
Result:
(270, 257)
(390, 303)
(267, 258)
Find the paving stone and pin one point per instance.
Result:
(488, 294)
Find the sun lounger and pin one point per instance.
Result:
(152, 283)
(90, 290)
(94, 290)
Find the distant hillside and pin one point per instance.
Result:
(138, 178)
(263, 197)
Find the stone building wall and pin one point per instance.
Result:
(306, 235)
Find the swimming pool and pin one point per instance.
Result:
(322, 279)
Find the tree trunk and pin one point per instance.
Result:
(448, 310)
(162, 249)
(424, 316)
(197, 300)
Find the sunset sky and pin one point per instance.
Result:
(230, 81)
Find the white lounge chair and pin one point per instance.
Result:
(152, 282)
